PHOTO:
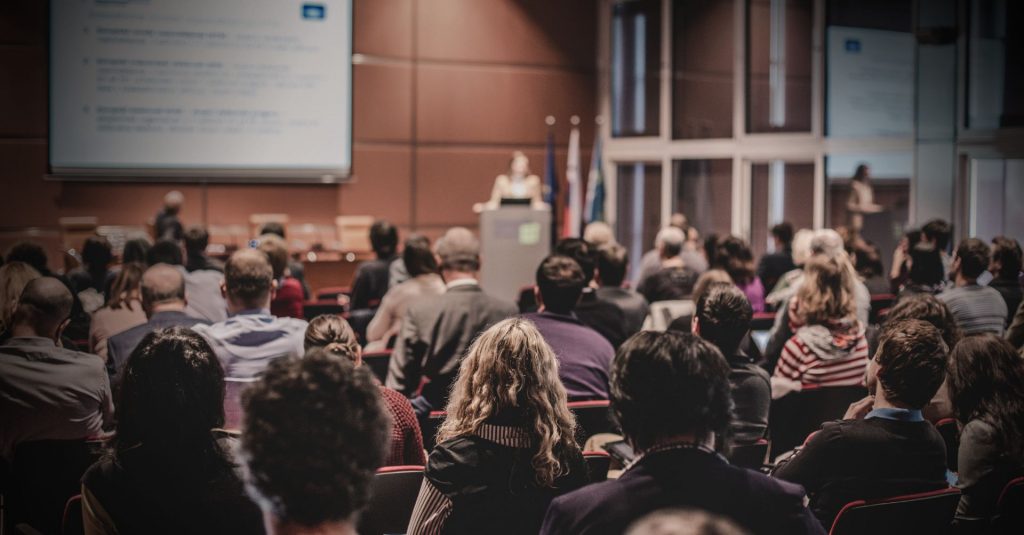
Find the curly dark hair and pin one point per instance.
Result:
(986, 381)
(974, 256)
(560, 282)
(927, 307)
(582, 252)
(724, 314)
(669, 383)
(912, 362)
(313, 435)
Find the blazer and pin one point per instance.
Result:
(436, 332)
(688, 478)
(121, 345)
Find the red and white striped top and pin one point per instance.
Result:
(800, 363)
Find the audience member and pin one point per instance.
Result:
(34, 255)
(1015, 333)
(883, 446)
(937, 233)
(598, 234)
(94, 273)
(986, 386)
(670, 395)
(295, 268)
(251, 337)
(335, 335)
(203, 286)
(122, 311)
(170, 468)
(424, 281)
(613, 311)
(689, 253)
(925, 272)
(584, 356)
(868, 262)
(777, 263)
(164, 302)
(287, 301)
(583, 252)
(136, 250)
(437, 332)
(47, 391)
(733, 255)
(977, 309)
(507, 446)
(684, 522)
(674, 280)
(723, 318)
(13, 278)
(372, 276)
(196, 259)
(166, 225)
(314, 434)
(787, 283)
(1005, 268)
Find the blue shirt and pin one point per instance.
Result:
(899, 415)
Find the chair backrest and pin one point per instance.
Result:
(925, 512)
(592, 417)
(751, 456)
(233, 402)
(762, 321)
(950, 431)
(316, 308)
(598, 463)
(429, 427)
(378, 362)
(795, 415)
(664, 312)
(330, 294)
(44, 475)
(1009, 517)
(392, 499)
(73, 523)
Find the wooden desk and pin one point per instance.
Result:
(331, 268)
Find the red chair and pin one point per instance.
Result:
(378, 362)
(73, 523)
(796, 415)
(762, 321)
(751, 456)
(393, 496)
(592, 417)
(1009, 517)
(598, 463)
(331, 293)
(924, 512)
(950, 431)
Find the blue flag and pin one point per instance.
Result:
(551, 185)
(594, 206)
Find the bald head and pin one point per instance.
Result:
(162, 285)
(248, 279)
(42, 308)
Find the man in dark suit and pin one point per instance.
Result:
(163, 300)
(670, 394)
(437, 331)
(615, 312)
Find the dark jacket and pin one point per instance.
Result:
(615, 313)
(121, 345)
(1011, 291)
(751, 396)
(668, 284)
(773, 266)
(584, 356)
(686, 478)
(370, 283)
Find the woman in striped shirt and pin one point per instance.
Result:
(829, 347)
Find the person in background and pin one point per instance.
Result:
(13, 278)
(94, 273)
(287, 301)
(170, 468)
(1015, 333)
(598, 234)
(507, 446)
(584, 356)
(734, 256)
(251, 337)
(164, 302)
(670, 395)
(196, 259)
(786, 285)
(986, 386)
(977, 309)
(203, 286)
(613, 311)
(135, 250)
(166, 225)
(48, 392)
(689, 253)
(424, 281)
(314, 434)
(924, 274)
(861, 200)
(334, 335)
(868, 261)
(371, 278)
(937, 233)
(34, 255)
(684, 522)
(295, 267)
(883, 446)
(1005, 268)
(775, 264)
(674, 280)
(122, 311)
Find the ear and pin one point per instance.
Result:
(695, 325)
(60, 330)
(538, 298)
(273, 289)
(359, 356)
(223, 289)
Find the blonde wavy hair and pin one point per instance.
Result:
(510, 366)
(826, 294)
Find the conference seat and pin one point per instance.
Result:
(925, 512)
(663, 313)
(592, 417)
(378, 362)
(429, 427)
(752, 456)
(950, 431)
(332, 293)
(45, 474)
(598, 463)
(72, 523)
(1009, 517)
(762, 321)
(796, 415)
(393, 496)
(313, 309)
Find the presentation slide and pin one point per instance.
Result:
(204, 89)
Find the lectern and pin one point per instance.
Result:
(513, 241)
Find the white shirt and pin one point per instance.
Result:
(246, 342)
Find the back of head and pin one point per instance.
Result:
(248, 278)
(276, 250)
(126, 286)
(670, 241)
(928, 308)
(196, 240)
(911, 360)
(273, 227)
(828, 242)
(332, 334)
(162, 283)
(459, 251)
(826, 295)
(97, 253)
(581, 251)
(668, 384)
(417, 256)
(314, 433)
(735, 257)
(13, 278)
(560, 281)
(173, 201)
(165, 251)
(598, 233)
(30, 253)
(986, 380)
(678, 220)
(683, 522)
(135, 250)
(939, 232)
(802, 246)
(974, 257)
(44, 305)
(723, 315)
(926, 266)
(784, 233)
(383, 238)
(612, 262)
(1006, 258)
(707, 279)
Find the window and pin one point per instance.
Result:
(779, 191)
(636, 64)
(702, 189)
(994, 56)
(702, 65)
(639, 208)
(779, 65)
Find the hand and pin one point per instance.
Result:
(859, 409)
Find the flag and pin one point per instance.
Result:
(574, 206)
(551, 185)
(594, 205)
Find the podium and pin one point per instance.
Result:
(513, 241)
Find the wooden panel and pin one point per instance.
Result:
(382, 27)
(23, 91)
(126, 203)
(27, 200)
(381, 187)
(23, 22)
(382, 102)
(233, 204)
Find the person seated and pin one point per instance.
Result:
(733, 255)
(777, 263)
(977, 309)
(13, 278)
(424, 281)
(251, 337)
(986, 386)
(196, 259)
(287, 301)
(436, 332)
(691, 253)
(94, 273)
(613, 311)
(203, 286)
(1015, 333)
(584, 356)
(883, 446)
(674, 280)
(1005, 268)
(937, 234)
(868, 262)
(924, 273)
(670, 395)
(295, 267)
(34, 255)
(122, 311)
(506, 447)
(48, 392)
(166, 225)
(723, 318)
(599, 234)
(828, 346)
(334, 335)
(170, 468)
(313, 435)
(163, 301)
(371, 279)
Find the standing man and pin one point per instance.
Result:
(167, 225)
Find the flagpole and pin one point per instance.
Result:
(551, 178)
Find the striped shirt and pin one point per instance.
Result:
(977, 309)
(842, 365)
